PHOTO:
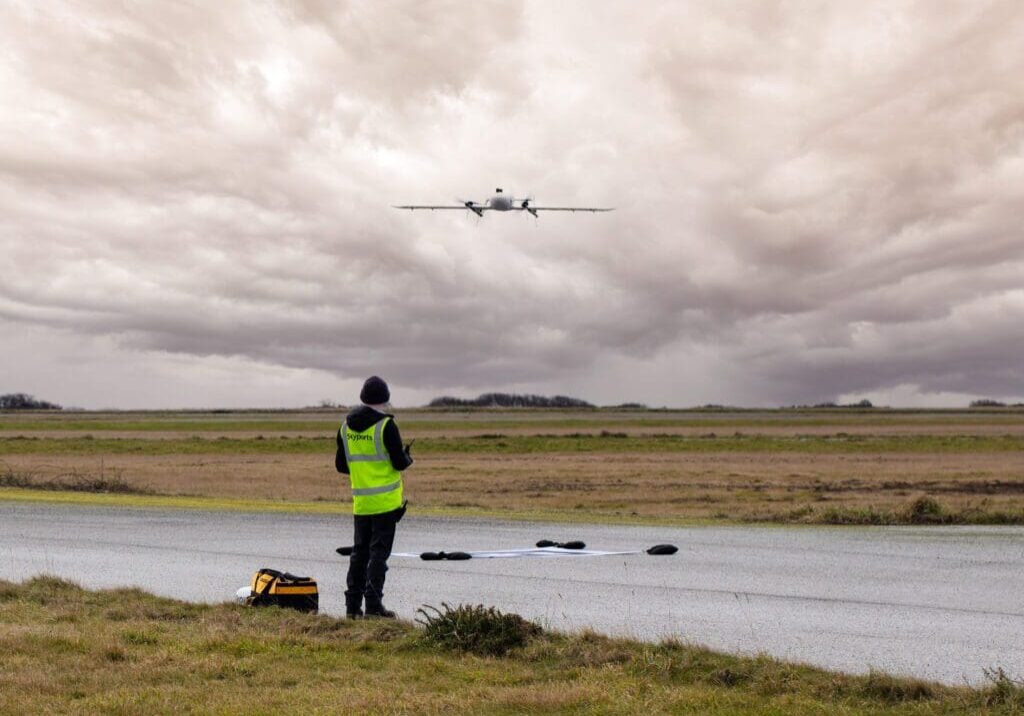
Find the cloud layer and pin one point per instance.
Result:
(811, 201)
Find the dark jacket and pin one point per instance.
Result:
(361, 418)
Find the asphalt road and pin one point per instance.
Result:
(938, 603)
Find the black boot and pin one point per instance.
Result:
(379, 611)
(353, 608)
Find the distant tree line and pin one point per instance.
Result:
(22, 401)
(509, 400)
(989, 403)
(865, 403)
(832, 404)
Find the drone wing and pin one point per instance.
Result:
(432, 207)
(466, 205)
(531, 207)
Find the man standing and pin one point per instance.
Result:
(370, 452)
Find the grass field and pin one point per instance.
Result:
(67, 650)
(815, 466)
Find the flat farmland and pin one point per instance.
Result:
(815, 466)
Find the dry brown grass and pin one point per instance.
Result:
(645, 485)
(728, 484)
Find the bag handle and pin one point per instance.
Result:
(274, 575)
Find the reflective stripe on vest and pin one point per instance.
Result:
(376, 484)
(362, 491)
(378, 444)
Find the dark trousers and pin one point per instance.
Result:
(374, 536)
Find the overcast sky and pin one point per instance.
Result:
(814, 201)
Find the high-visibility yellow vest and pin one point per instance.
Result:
(376, 485)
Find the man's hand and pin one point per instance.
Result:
(408, 448)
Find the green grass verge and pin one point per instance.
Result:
(183, 502)
(491, 444)
(170, 502)
(919, 511)
(66, 649)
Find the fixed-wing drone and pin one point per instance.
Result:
(499, 202)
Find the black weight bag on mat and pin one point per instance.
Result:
(271, 588)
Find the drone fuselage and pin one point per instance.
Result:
(501, 202)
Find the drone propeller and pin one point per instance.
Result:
(471, 205)
(525, 205)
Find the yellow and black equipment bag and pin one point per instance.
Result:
(271, 588)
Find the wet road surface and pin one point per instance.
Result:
(938, 603)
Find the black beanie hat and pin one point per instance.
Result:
(375, 391)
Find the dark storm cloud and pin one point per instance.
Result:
(825, 198)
